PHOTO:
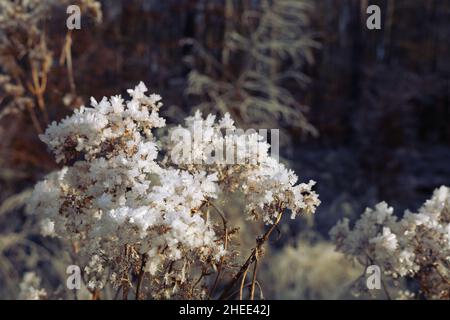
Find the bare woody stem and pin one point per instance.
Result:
(225, 230)
(241, 289)
(125, 289)
(252, 288)
(125, 282)
(66, 57)
(140, 276)
(252, 258)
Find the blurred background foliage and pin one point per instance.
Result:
(363, 112)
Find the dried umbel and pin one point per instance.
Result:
(416, 246)
(137, 221)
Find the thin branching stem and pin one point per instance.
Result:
(241, 289)
(252, 289)
(220, 267)
(251, 258)
(141, 275)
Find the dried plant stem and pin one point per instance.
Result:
(66, 57)
(245, 286)
(251, 258)
(125, 283)
(261, 293)
(241, 289)
(252, 288)
(219, 271)
(125, 289)
(198, 280)
(38, 88)
(141, 275)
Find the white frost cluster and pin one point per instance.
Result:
(118, 205)
(271, 183)
(417, 246)
(268, 185)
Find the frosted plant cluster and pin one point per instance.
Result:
(135, 219)
(416, 246)
(268, 185)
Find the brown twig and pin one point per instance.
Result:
(125, 289)
(241, 289)
(261, 294)
(125, 281)
(252, 289)
(38, 88)
(66, 57)
(251, 258)
(141, 275)
(225, 228)
(198, 281)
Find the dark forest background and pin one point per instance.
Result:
(379, 100)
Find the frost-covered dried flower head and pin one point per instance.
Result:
(268, 185)
(126, 212)
(417, 246)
